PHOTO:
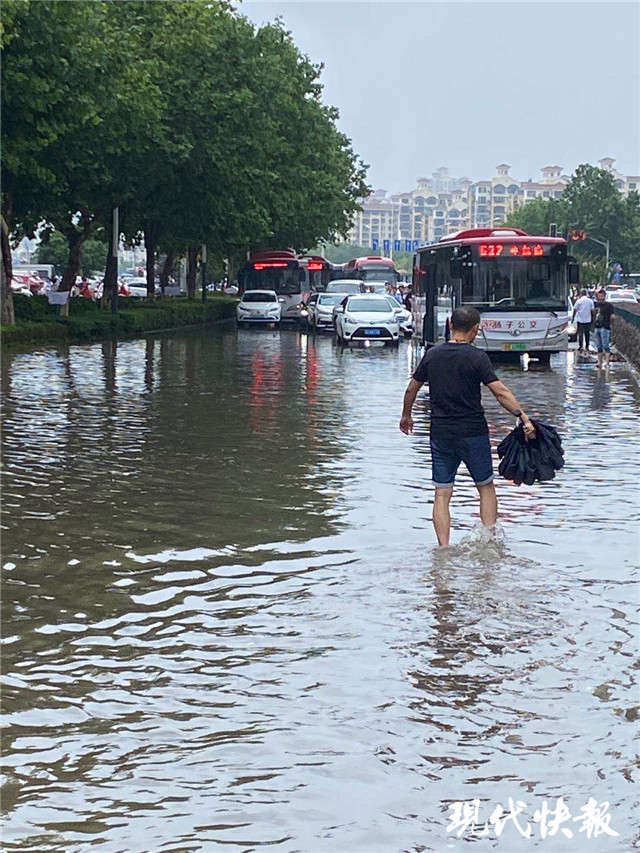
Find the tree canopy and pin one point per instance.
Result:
(199, 126)
(591, 203)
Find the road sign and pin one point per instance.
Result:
(407, 245)
(375, 245)
(397, 245)
(386, 245)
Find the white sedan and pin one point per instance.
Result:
(405, 320)
(320, 310)
(137, 287)
(258, 306)
(366, 318)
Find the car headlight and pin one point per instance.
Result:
(555, 333)
(304, 313)
(281, 299)
(351, 321)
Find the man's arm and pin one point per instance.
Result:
(406, 421)
(509, 402)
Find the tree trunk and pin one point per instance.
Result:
(110, 289)
(150, 243)
(192, 258)
(230, 272)
(165, 272)
(76, 240)
(6, 272)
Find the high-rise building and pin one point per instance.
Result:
(442, 204)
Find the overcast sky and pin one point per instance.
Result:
(469, 85)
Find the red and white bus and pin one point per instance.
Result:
(519, 283)
(320, 270)
(371, 268)
(282, 271)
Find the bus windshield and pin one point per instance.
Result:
(377, 273)
(283, 281)
(505, 283)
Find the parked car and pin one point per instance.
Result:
(137, 287)
(366, 317)
(320, 310)
(258, 306)
(405, 320)
(343, 285)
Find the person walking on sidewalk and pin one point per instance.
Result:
(583, 312)
(602, 324)
(456, 370)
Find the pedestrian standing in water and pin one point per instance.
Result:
(602, 327)
(583, 313)
(455, 371)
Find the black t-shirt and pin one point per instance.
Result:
(604, 310)
(454, 373)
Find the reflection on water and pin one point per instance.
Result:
(225, 625)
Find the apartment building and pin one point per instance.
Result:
(442, 204)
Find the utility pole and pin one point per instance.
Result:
(203, 267)
(604, 243)
(115, 242)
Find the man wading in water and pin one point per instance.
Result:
(459, 431)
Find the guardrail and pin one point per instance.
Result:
(630, 313)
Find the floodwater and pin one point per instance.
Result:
(226, 627)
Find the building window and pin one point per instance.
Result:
(632, 186)
(531, 193)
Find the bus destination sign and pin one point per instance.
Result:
(516, 250)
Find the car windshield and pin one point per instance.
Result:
(343, 287)
(252, 296)
(377, 306)
(393, 303)
(332, 299)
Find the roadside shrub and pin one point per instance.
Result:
(33, 307)
(626, 339)
(87, 322)
(28, 331)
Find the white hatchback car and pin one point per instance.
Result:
(258, 306)
(366, 318)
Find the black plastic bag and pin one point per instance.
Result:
(527, 461)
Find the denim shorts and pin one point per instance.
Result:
(603, 340)
(447, 454)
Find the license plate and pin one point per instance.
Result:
(515, 346)
(372, 331)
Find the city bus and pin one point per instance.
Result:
(371, 268)
(320, 272)
(283, 272)
(519, 283)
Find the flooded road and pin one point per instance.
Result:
(226, 627)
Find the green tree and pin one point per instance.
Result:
(592, 203)
(536, 216)
(54, 249)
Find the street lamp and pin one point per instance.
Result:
(604, 243)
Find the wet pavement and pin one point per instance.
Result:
(226, 627)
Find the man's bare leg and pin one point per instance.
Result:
(441, 517)
(488, 504)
